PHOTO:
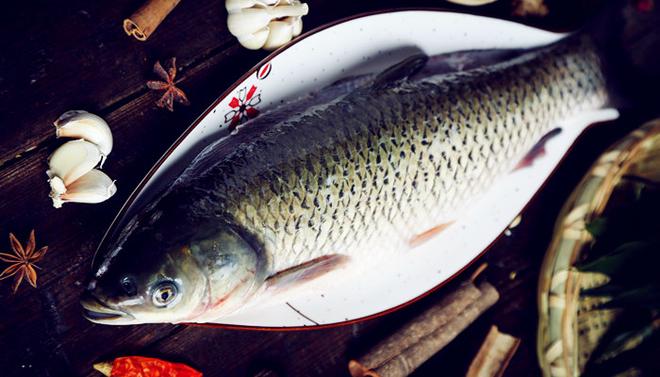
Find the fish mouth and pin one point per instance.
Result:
(96, 311)
(96, 316)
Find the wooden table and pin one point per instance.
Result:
(57, 56)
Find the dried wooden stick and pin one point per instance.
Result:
(433, 318)
(414, 356)
(494, 355)
(424, 336)
(146, 19)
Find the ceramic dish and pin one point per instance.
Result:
(366, 44)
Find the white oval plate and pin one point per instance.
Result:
(367, 44)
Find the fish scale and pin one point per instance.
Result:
(369, 171)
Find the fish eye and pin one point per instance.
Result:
(128, 285)
(164, 294)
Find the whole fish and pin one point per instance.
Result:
(367, 171)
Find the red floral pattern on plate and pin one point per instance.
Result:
(243, 106)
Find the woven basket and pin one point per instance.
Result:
(568, 330)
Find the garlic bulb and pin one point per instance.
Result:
(80, 124)
(265, 24)
(71, 161)
(93, 187)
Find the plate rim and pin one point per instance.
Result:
(140, 186)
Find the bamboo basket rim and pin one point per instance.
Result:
(558, 356)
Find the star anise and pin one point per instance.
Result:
(22, 261)
(172, 93)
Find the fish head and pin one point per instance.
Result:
(185, 278)
(146, 280)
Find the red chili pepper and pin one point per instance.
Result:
(138, 366)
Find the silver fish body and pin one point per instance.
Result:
(371, 170)
(362, 175)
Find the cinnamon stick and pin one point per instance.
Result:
(425, 335)
(494, 355)
(146, 19)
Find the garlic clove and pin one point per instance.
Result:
(247, 21)
(68, 115)
(294, 9)
(93, 187)
(72, 160)
(236, 5)
(280, 34)
(255, 40)
(297, 26)
(83, 125)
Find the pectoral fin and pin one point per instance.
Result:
(427, 235)
(306, 271)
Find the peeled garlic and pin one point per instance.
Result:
(93, 187)
(265, 24)
(83, 125)
(71, 172)
(71, 161)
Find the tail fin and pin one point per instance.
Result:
(628, 37)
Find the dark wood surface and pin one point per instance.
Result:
(57, 56)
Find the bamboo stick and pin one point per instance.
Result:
(425, 335)
(494, 355)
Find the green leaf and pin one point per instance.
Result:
(627, 341)
(597, 227)
(608, 289)
(624, 259)
(644, 297)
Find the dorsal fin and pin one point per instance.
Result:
(400, 71)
